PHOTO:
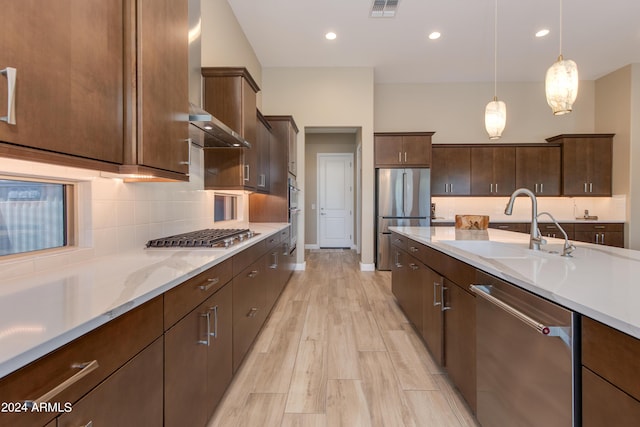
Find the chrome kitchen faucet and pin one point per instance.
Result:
(536, 238)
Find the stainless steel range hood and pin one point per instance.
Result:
(205, 130)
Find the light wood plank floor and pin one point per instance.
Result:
(337, 351)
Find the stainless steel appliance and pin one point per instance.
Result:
(403, 198)
(294, 211)
(207, 238)
(527, 372)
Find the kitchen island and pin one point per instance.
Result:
(492, 310)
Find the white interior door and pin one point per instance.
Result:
(335, 200)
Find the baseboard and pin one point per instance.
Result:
(301, 266)
(312, 246)
(367, 267)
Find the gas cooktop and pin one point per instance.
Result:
(207, 238)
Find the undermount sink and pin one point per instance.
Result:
(490, 249)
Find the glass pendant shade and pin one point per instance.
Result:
(561, 86)
(495, 118)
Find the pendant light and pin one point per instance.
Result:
(495, 114)
(561, 82)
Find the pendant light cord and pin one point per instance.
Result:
(495, 52)
(560, 53)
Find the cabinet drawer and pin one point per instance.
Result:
(552, 230)
(272, 241)
(246, 257)
(185, 297)
(131, 396)
(599, 227)
(399, 241)
(284, 234)
(111, 345)
(612, 354)
(417, 250)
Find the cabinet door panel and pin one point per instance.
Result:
(586, 165)
(388, 150)
(451, 171)
(482, 179)
(132, 396)
(460, 340)
(417, 150)
(185, 384)
(538, 169)
(163, 108)
(432, 320)
(603, 404)
(70, 76)
(219, 360)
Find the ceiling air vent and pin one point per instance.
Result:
(384, 8)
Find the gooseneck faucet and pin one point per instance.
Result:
(536, 239)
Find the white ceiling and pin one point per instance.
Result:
(599, 35)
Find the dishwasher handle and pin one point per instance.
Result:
(483, 291)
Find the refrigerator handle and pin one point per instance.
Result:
(404, 193)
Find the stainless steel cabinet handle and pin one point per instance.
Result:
(89, 424)
(442, 289)
(541, 187)
(536, 188)
(285, 249)
(450, 188)
(214, 334)
(206, 341)
(414, 266)
(413, 249)
(591, 187)
(491, 190)
(597, 238)
(435, 294)
(405, 157)
(246, 172)
(85, 369)
(252, 312)
(398, 265)
(399, 156)
(10, 118)
(253, 273)
(483, 292)
(599, 227)
(602, 238)
(263, 180)
(496, 187)
(585, 187)
(210, 283)
(188, 162)
(275, 261)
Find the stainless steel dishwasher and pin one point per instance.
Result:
(527, 369)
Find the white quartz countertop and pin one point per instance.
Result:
(42, 311)
(600, 282)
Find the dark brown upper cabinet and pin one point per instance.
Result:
(587, 161)
(493, 171)
(451, 171)
(406, 149)
(263, 146)
(87, 85)
(538, 169)
(230, 96)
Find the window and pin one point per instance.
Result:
(33, 215)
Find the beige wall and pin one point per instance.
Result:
(328, 97)
(455, 111)
(224, 44)
(316, 143)
(634, 181)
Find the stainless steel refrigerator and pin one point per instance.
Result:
(403, 198)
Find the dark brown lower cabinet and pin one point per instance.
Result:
(198, 361)
(249, 307)
(132, 396)
(603, 404)
(408, 278)
(460, 340)
(432, 315)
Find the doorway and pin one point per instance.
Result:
(335, 200)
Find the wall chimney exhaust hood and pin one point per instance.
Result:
(204, 130)
(207, 131)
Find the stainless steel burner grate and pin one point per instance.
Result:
(208, 238)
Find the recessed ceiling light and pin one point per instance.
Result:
(330, 35)
(434, 36)
(542, 32)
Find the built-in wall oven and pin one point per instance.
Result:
(294, 211)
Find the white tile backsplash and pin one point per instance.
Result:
(114, 216)
(562, 208)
